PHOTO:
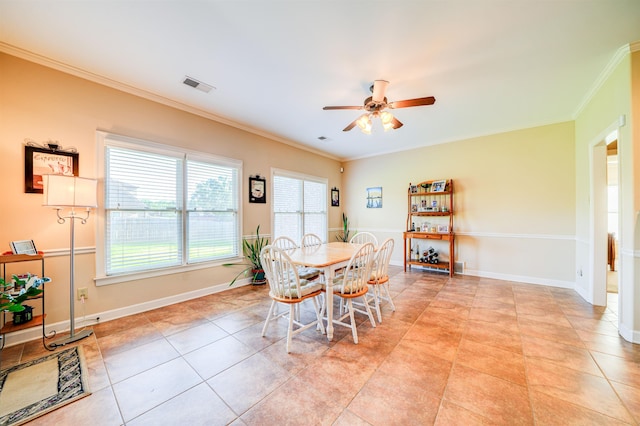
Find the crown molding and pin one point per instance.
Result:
(620, 54)
(96, 78)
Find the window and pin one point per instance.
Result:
(166, 208)
(299, 205)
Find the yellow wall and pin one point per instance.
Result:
(40, 103)
(514, 200)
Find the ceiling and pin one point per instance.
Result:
(492, 65)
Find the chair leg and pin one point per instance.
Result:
(368, 308)
(292, 312)
(386, 290)
(271, 312)
(376, 299)
(318, 314)
(354, 331)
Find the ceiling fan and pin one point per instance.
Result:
(376, 105)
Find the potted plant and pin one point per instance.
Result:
(251, 250)
(344, 235)
(12, 294)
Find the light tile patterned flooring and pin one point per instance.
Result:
(461, 351)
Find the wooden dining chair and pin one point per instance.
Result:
(364, 237)
(351, 285)
(310, 240)
(288, 244)
(379, 280)
(284, 243)
(287, 288)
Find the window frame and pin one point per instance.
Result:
(105, 139)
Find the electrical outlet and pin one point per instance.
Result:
(83, 293)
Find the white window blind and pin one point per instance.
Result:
(147, 226)
(299, 206)
(212, 211)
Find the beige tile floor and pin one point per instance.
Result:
(457, 351)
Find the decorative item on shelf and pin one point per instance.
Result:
(251, 251)
(23, 247)
(257, 189)
(429, 256)
(443, 229)
(438, 185)
(70, 193)
(413, 189)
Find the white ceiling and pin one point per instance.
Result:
(492, 65)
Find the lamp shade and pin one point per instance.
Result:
(69, 191)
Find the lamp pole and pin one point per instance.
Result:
(61, 191)
(73, 337)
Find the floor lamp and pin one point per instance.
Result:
(69, 193)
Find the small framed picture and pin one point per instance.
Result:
(438, 185)
(374, 198)
(257, 190)
(414, 208)
(443, 229)
(335, 197)
(23, 247)
(413, 189)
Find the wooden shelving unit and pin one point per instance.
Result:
(430, 213)
(38, 320)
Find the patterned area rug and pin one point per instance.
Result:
(37, 387)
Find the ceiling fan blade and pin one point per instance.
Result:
(342, 107)
(351, 125)
(379, 88)
(396, 123)
(429, 100)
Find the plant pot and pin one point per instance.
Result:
(258, 277)
(23, 316)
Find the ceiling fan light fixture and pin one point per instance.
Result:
(364, 122)
(387, 120)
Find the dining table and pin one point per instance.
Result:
(329, 258)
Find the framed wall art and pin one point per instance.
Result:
(41, 161)
(257, 189)
(374, 198)
(335, 197)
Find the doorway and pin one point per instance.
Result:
(612, 223)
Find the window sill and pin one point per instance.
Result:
(116, 279)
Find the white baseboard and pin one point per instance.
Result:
(35, 333)
(629, 335)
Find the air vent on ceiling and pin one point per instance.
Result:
(189, 81)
